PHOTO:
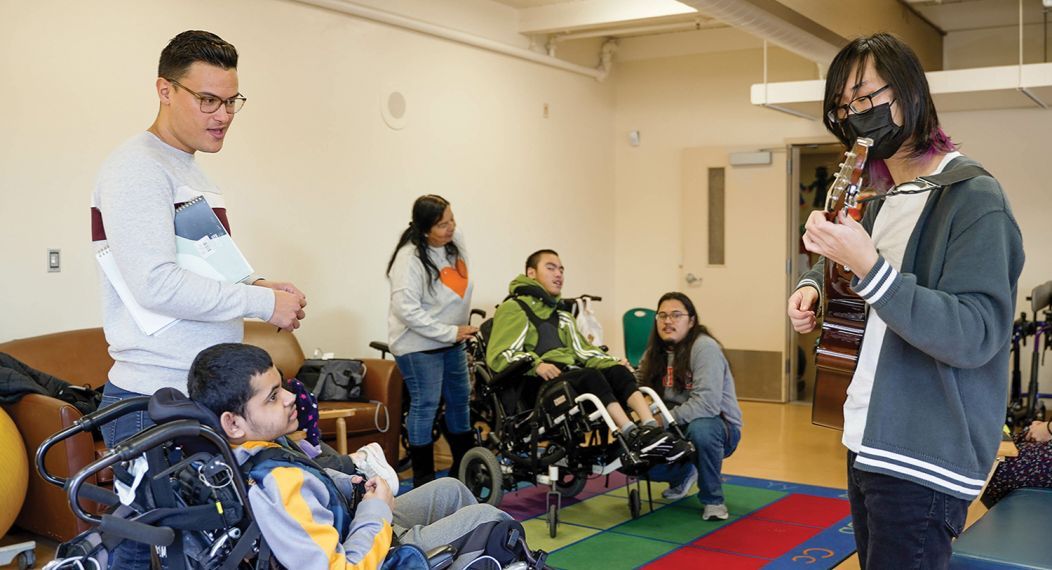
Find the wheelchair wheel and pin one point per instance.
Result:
(570, 484)
(634, 504)
(553, 519)
(480, 472)
(486, 415)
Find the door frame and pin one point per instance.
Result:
(793, 161)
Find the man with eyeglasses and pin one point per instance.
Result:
(936, 259)
(532, 326)
(133, 207)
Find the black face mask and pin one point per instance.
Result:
(877, 125)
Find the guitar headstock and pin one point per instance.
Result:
(848, 180)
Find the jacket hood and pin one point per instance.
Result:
(530, 287)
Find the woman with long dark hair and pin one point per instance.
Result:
(685, 364)
(426, 326)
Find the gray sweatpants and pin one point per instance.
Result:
(444, 512)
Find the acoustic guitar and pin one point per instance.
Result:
(844, 312)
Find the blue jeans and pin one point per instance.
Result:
(125, 426)
(430, 377)
(715, 440)
(127, 554)
(900, 524)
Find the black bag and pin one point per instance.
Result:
(85, 398)
(338, 379)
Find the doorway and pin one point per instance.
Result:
(733, 260)
(810, 174)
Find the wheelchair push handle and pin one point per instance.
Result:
(84, 424)
(137, 531)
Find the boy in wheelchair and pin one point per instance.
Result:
(531, 326)
(302, 510)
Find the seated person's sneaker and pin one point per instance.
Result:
(681, 490)
(715, 512)
(656, 445)
(652, 444)
(374, 464)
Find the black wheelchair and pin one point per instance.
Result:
(546, 434)
(188, 499)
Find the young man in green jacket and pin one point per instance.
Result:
(530, 325)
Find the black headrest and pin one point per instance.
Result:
(169, 404)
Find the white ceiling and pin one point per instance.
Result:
(946, 15)
(961, 15)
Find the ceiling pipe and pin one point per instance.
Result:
(772, 21)
(695, 24)
(457, 36)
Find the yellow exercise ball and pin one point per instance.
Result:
(15, 478)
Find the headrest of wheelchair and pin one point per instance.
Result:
(169, 404)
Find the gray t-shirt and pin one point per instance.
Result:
(134, 202)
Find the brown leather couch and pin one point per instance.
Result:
(81, 357)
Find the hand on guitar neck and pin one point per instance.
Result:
(845, 242)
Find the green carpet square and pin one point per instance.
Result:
(740, 500)
(674, 525)
(537, 534)
(600, 512)
(610, 551)
(655, 488)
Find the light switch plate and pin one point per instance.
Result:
(54, 260)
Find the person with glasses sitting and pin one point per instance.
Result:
(685, 364)
(531, 325)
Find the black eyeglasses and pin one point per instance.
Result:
(210, 103)
(857, 106)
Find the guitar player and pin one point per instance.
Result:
(936, 261)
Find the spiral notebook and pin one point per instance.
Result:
(202, 245)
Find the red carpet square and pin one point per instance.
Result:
(698, 558)
(806, 509)
(757, 537)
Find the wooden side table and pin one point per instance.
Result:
(340, 415)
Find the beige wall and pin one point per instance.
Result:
(686, 102)
(318, 187)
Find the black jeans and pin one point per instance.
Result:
(900, 524)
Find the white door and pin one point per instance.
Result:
(740, 296)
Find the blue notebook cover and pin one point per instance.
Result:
(202, 244)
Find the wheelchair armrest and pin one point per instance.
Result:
(517, 368)
(441, 557)
(383, 347)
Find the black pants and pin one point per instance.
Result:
(610, 385)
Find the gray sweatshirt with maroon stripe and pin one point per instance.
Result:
(136, 192)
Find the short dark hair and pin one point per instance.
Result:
(535, 258)
(899, 65)
(221, 376)
(192, 46)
